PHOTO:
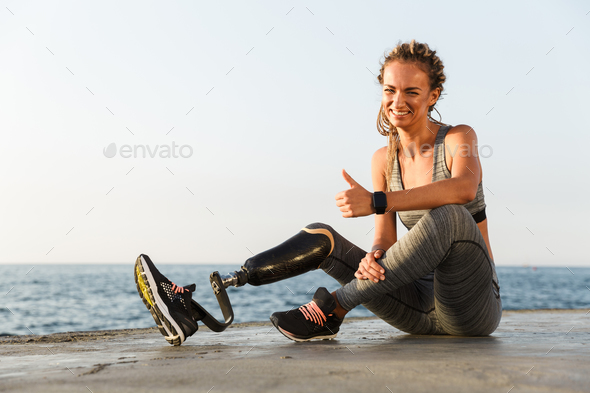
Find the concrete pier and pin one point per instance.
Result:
(531, 351)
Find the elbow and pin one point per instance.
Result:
(467, 195)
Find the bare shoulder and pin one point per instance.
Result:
(379, 160)
(460, 134)
(379, 169)
(461, 143)
(380, 154)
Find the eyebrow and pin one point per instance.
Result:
(409, 88)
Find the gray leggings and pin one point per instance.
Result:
(439, 278)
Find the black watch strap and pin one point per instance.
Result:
(379, 202)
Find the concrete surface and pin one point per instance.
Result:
(532, 351)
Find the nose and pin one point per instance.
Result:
(398, 103)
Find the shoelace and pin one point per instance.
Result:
(176, 288)
(312, 312)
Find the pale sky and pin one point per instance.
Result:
(273, 99)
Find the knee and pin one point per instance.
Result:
(319, 225)
(320, 228)
(455, 211)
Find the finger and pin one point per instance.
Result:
(348, 179)
(374, 272)
(374, 267)
(370, 275)
(377, 267)
(377, 272)
(363, 273)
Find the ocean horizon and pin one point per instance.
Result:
(47, 299)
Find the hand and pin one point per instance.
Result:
(356, 201)
(369, 269)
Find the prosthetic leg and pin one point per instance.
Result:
(297, 255)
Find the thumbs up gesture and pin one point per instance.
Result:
(356, 201)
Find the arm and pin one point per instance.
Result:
(461, 188)
(460, 143)
(385, 224)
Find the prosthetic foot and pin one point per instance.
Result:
(299, 254)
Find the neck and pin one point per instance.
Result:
(415, 136)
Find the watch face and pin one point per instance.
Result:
(380, 202)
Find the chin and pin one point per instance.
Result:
(398, 122)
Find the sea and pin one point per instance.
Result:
(44, 299)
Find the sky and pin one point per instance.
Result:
(206, 132)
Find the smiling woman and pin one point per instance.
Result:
(412, 76)
(444, 263)
(439, 278)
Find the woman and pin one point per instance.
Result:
(437, 279)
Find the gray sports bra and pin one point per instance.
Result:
(440, 171)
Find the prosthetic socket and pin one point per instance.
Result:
(297, 255)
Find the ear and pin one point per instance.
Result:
(434, 96)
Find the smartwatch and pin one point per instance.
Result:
(379, 202)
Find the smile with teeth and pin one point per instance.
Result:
(399, 113)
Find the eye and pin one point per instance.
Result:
(389, 90)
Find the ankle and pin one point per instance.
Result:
(339, 311)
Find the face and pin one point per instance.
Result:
(406, 94)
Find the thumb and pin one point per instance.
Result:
(351, 182)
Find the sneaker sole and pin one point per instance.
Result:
(290, 336)
(156, 306)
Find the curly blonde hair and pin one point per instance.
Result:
(425, 58)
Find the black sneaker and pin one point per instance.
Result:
(169, 304)
(314, 320)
